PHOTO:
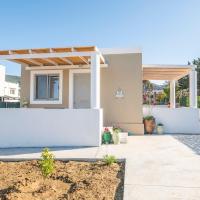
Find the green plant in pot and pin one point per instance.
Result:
(106, 137)
(115, 135)
(160, 128)
(25, 103)
(149, 124)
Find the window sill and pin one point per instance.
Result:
(45, 102)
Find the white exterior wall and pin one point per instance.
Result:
(2, 80)
(28, 127)
(176, 120)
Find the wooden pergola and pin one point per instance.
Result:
(62, 58)
(173, 73)
(48, 57)
(165, 72)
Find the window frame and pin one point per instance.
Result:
(59, 73)
(12, 89)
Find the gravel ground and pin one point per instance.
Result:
(192, 141)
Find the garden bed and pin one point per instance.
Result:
(70, 180)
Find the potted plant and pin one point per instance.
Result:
(160, 128)
(25, 103)
(122, 136)
(149, 124)
(115, 135)
(106, 137)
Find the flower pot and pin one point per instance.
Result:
(149, 125)
(115, 137)
(160, 129)
(123, 136)
(107, 137)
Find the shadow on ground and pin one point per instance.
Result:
(29, 150)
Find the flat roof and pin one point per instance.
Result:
(109, 51)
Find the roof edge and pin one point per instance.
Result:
(108, 51)
(168, 66)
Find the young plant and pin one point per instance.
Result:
(109, 160)
(160, 124)
(149, 117)
(117, 129)
(149, 124)
(47, 162)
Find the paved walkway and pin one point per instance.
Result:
(157, 167)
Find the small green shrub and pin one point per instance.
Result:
(160, 124)
(109, 160)
(47, 162)
(149, 117)
(117, 129)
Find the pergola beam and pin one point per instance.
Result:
(62, 67)
(50, 61)
(61, 58)
(66, 60)
(84, 60)
(19, 62)
(47, 55)
(34, 62)
(168, 66)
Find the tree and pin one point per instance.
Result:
(183, 83)
(147, 92)
(147, 86)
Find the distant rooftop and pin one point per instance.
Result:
(12, 79)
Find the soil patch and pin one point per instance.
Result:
(71, 180)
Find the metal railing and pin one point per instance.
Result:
(9, 104)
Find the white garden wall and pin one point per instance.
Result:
(28, 127)
(2, 80)
(176, 120)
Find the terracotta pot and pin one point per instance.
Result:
(149, 125)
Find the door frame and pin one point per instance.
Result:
(71, 84)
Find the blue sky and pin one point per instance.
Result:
(168, 32)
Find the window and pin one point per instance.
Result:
(46, 87)
(12, 91)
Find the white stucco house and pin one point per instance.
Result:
(73, 92)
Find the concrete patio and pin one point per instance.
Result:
(157, 167)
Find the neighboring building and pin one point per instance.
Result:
(2, 81)
(9, 87)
